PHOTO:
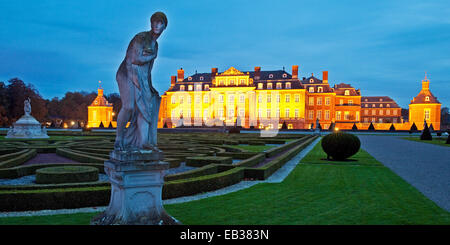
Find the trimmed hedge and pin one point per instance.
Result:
(80, 157)
(16, 159)
(17, 172)
(205, 170)
(252, 161)
(66, 174)
(276, 150)
(256, 142)
(202, 161)
(237, 155)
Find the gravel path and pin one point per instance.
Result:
(48, 158)
(425, 166)
(276, 177)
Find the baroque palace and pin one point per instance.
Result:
(267, 99)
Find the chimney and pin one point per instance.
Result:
(213, 72)
(325, 76)
(295, 72)
(257, 75)
(173, 80)
(180, 75)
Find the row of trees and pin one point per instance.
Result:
(72, 107)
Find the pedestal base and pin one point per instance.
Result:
(136, 185)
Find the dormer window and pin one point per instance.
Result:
(284, 75)
(288, 85)
(367, 105)
(201, 78)
(373, 105)
(427, 98)
(270, 75)
(347, 92)
(311, 89)
(381, 105)
(269, 86)
(206, 86)
(260, 85)
(182, 88)
(190, 87)
(198, 87)
(365, 100)
(381, 99)
(388, 105)
(311, 80)
(320, 89)
(279, 86)
(189, 78)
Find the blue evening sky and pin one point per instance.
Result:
(382, 47)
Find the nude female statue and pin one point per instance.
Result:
(140, 101)
(27, 107)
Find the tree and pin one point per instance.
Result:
(426, 134)
(392, 128)
(448, 140)
(114, 98)
(413, 127)
(284, 126)
(101, 125)
(331, 128)
(431, 128)
(354, 128)
(371, 127)
(445, 116)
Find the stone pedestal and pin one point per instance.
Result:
(136, 187)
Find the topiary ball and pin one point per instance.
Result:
(340, 146)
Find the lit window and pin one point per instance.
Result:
(319, 115)
(346, 115)
(350, 102)
(279, 86)
(231, 82)
(290, 126)
(366, 105)
(381, 112)
(388, 112)
(221, 82)
(206, 86)
(268, 113)
(347, 92)
(296, 113)
(190, 78)
(381, 99)
(388, 105)
(341, 102)
(181, 87)
(381, 105)
(311, 80)
(374, 112)
(395, 112)
(269, 86)
(338, 115)
(241, 98)
(427, 114)
(297, 98)
(242, 81)
(288, 85)
(206, 99)
(319, 89)
(174, 100)
(365, 100)
(190, 87)
(427, 98)
(260, 85)
(327, 100)
(311, 101)
(366, 112)
(270, 75)
(284, 75)
(198, 87)
(201, 78)
(286, 113)
(380, 120)
(288, 97)
(311, 89)
(311, 114)
(269, 98)
(259, 98)
(373, 106)
(327, 115)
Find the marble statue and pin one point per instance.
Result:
(140, 101)
(27, 107)
(27, 127)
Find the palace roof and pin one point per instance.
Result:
(378, 101)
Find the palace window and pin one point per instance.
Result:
(341, 102)
(427, 98)
(350, 102)
(366, 112)
(278, 98)
(286, 113)
(206, 86)
(366, 105)
(198, 87)
(242, 82)
(174, 100)
(181, 87)
(284, 75)
(241, 98)
(366, 120)
(380, 120)
(395, 112)
(205, 114)
(221, 82)
(241, 112)
(388, 105)
(365, 100)
(260, 113)
(296, 113)
(311, 80)
(381, 105)
(327, 100)
(268, 113)
(287, 97)
(198, 99)
(260, 85)
(206, 99)
(319, 101)
(338, 115)
(427, 114)
(221, 113)
(189, 99)
(311, 101)
(189, 78)
(357, 116)
(230, 113)
(381, 112)
(319, 89)
(288, 85)
(373, 105)
(347, 92)
(373, 119)
(327, 115)
(221, 98)
(201, 78)
(394, 120)
(197, 114)
(231, 82)
(279, 86)
(381, 99)
(290, 126)
(388, 112)
(269, 98)
(270, 75)
(259, 98)
(230, 99)
(319, 115)
(181, 99)
(374, 112)
(311, 89)
(346, 115)
(311, 114)
(297, 98)
(269, 86)
(278, 113)
(190, 87)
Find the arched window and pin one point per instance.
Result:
(311, 80)
(279, 86)
(270, 75)
(198, 87)
(190, 78)
(427, 98)
(320, 89)
(284, 75)
(260, 85)
(201, 78)
(206, 86)
(190, 87)
(347, 92)
(311, 89)
(288, 85)
(181, 87)
(269, 86)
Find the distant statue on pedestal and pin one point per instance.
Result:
(27, 107)
(136, 167)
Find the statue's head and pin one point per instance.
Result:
(158, 22)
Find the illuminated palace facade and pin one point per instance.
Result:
(267, 99)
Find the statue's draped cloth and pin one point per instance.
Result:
(136, 91)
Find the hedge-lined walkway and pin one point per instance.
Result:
(42, 158)
(424, 166)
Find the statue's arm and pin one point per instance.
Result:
(137, 54)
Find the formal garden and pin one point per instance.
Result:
(322, 189)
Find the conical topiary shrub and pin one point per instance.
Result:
(413, 127)
(284, 126)
(110, 126)
(165, 125)
(426, 134)
(101, 125)
(331, 128)
(354, 128)
(340, 145)
(392, 128)
(371, 127)
(431, 128)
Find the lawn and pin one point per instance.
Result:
(315, 193)
(253, 148)
(436, 140)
